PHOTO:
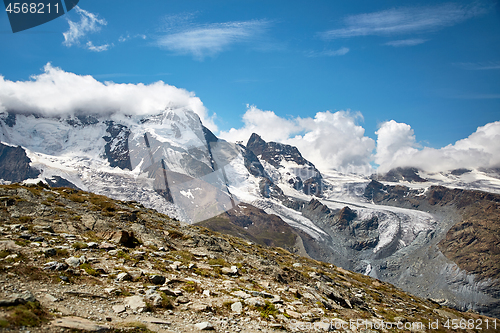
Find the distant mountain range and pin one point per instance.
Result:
(401, 227)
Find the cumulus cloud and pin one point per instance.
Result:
(267, 124)
(208, 40)
(395, 141)
(396, 146)
(56, 93)
(89, 23)
(329, 140)
(404, 20)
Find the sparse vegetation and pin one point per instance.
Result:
(261, 269)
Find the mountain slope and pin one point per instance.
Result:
(469, 236)
(75, 258)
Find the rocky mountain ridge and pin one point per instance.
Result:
(72, 260)
(469, 235)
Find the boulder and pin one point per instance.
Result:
(237, 307)
(157, 279)
(135, 303)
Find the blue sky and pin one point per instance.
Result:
(432, 65)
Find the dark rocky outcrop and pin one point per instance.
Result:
(15, 164)
(308, 180)
(400, 174)
(56, 181)
(116, 148)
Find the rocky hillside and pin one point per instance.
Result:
(470, 234)
(72, 260)
(474, 241)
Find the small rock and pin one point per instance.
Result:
(175, 266)
(255, 301)
(79, 324)
(135, 303)
(50, 252)
(50, 298)
(200, 307)
(171, 292)
(138, 255)
(20, 298)
(204, 326)
(118, 308)
(293, 314)
(157, 279)
(182, 300)
(73, 262)
(56, 266)
(135, 274)
(107, 246)
(262, 294)
(112, 291)
(37, 239)
(124, 276)
(64, 278)
(26, 236)
(206, 293)
(297, 264)
(241, 294)
(229, 270)
(92, 245)
(46, 228)
(154, 297)
(237, 307)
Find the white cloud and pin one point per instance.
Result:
(94, 48)
(208, 40)
(89, 23)
(56, 92)
(265, 123)
(396, 146)
(479, 66)
(124, 38)
(329, 140)
(404, 20)
(335, 141)
(329, 53)
(406, 42)
(394, 142)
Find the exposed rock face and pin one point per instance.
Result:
(345, 216)
(304, 176)
(116, 148)
(469, 236)
(316, 211)
(400, 174)
(56, 181)
(15, 165)
(253, 224)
